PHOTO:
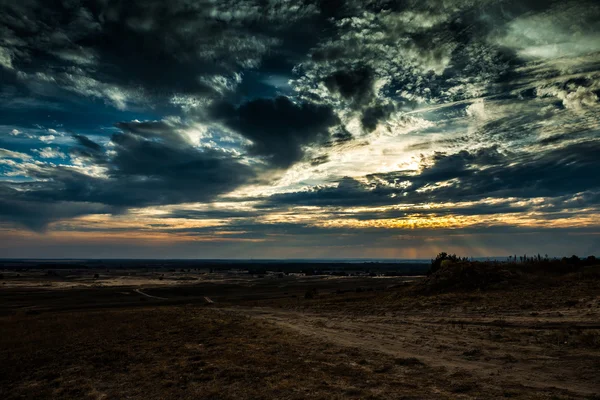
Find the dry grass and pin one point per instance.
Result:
(393, 342)
(185, 352)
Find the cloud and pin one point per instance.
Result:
(576, 99)
(552, 34)
(4, 153)
(49, 152)
(36, 215)
(87, 143)
(476, 110)
(47, 138)
(141, 169)
(79, 82)
(354, 85)
(373, 115)
(5, 58)
(278, 128)
(141, 52)
(308, 117)
(579, 99)
(465, 176)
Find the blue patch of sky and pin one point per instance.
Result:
(61, 119)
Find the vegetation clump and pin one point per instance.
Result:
(450, 272)
(444, 259)
(466, 275)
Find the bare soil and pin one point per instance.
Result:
(261, 338)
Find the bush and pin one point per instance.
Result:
(464, 275)
(443, 259)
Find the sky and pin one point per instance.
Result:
(299, 128)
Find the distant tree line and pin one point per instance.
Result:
(536, 262)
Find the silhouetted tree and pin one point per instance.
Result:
(440, 258)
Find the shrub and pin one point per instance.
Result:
(464, 275)
(443, 259)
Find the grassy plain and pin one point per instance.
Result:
(294, 337)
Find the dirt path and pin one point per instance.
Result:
(139, 291)
(521, 352)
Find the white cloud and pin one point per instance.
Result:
(476, 110)
(47, 138)
(222, 84)
(4, 153)
(76, 80)
(553, 34)
(5, 58)
(577, 100)
(80, 56)
(189, 103)
(49, 152)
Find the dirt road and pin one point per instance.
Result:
(514, 351)
(139, 291)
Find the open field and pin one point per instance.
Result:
(296, 337)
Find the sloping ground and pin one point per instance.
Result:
(519, 356)
(533, 339)
(198, 353)
(537, 338)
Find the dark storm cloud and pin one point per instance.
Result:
(164, 172)
(146, 166)
(319, 160)
(373, 115)
(340, 135)
(165, 132)
(354, 85)
(87, 150)
(138, 51)
(278, 128)
(349, 192)
(86, 143)
(468, 176)
(558, 172)
(441, 76)
(210, 214)
(438, 51)
(35, 214)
